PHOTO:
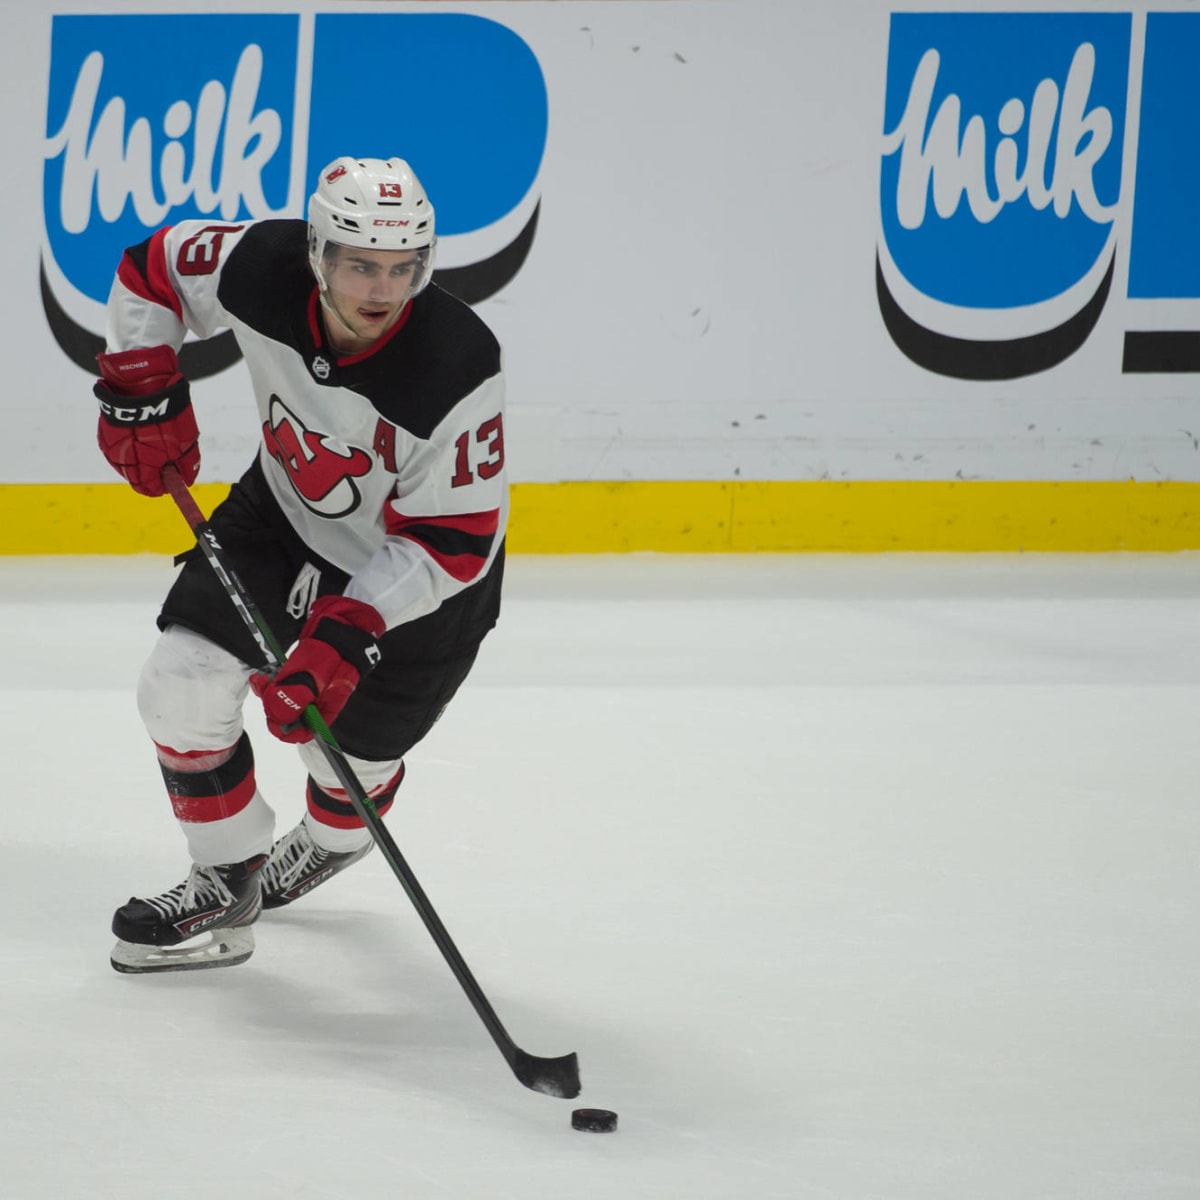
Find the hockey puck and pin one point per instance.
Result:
(594, 1120)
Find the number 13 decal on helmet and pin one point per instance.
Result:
(491, 436)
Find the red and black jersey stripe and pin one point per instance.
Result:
(459, 544)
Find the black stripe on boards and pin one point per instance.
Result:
(1161, 352)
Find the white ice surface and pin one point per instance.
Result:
(855, 878)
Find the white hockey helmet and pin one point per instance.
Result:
(372, 204)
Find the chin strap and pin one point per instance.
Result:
(328, 306)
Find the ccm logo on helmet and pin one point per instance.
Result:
(389, 222)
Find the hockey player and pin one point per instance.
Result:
(369, 529)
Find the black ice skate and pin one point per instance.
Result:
(297, 865)
(202, 922)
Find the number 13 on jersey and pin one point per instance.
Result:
(488, 453)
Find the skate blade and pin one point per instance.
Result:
(223, 948)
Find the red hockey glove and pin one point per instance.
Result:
(337, 647)
(146, 418)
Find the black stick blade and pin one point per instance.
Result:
(551, 1076)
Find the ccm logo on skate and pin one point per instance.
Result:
(296, 893)
(187, 928)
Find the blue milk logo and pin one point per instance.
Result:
(1000, 185)
(129, 149)
(156, 119)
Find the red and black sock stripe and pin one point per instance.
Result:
(330, 806)
(213, 794)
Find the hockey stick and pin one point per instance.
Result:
(553, 1076)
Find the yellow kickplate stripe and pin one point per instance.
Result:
(861, 516)
(590, 518)
(95, 518)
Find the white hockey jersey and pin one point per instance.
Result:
(389, 463)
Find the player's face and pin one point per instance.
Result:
(369, 288)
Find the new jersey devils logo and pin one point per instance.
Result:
(321, 471)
